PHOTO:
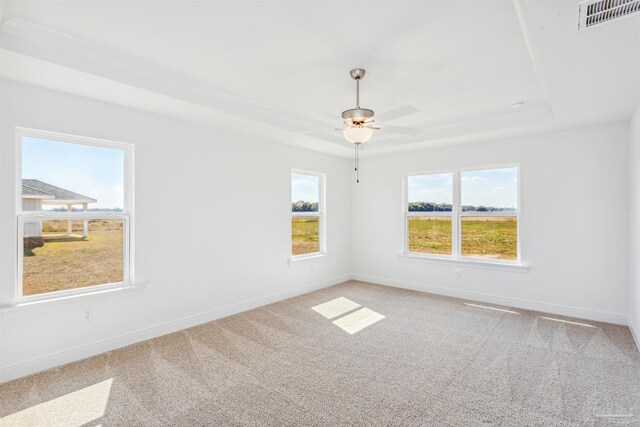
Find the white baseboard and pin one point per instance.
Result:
(8, 373)
(580, 313)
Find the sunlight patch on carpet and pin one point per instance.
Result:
(72, 409)
(336, 307)
(490, 308)
(567, 321)
(358, 320)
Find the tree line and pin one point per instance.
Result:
(302, 206)
(446, 207)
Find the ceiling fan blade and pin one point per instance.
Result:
(400, 130)
(407, 110)
(322, 115)
(372, 126)
(326, 136)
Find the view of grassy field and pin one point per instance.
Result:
(430, 234)
(70, 261)
(485, 237)
(305, 235)
(490, 237)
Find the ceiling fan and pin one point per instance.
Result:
(360, 122)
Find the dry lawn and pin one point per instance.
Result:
(484, 237)
(305, 235)
(72, 262)
(495, 238)
(431, 235)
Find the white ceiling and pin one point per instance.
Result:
(281, 68)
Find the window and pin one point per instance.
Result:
(489, 214)
(430, 213)
(464, 214)
(74, 214)
(307, 213)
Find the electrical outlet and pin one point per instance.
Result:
(87, 314)
(458, 272)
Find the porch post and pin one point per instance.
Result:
(85, 225)
(69, 223)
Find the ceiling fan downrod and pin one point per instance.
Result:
(357, 79)
(357, 116)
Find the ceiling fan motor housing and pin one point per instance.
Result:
(357, 115)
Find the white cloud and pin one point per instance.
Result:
(476, 179)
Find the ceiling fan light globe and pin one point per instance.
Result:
(357, 135)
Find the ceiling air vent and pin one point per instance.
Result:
(597, 12)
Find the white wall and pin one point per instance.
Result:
(634, 227)
(205, 252)
(574, 223)
(201, 243)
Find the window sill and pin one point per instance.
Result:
(492, 265)
(24, 307)
(310, 257)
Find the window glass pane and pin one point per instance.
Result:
(61, 254)
(305, 193)
(61, 176)
(305, 235)
(430, 193)
(430, 235)
(490, 237)
(494, 190)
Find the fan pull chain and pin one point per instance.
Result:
(357, 161)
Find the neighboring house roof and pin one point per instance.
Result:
(33, 188)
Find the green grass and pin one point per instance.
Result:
(305, 235)
(492, 237)
(431, 235)
(72, 262)
(69, 263)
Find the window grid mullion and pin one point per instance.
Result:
(59, 216)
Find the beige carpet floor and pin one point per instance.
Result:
(372, 356)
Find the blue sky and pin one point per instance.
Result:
(495, 188)
(431, 188)
(304, 187)
(91, 171)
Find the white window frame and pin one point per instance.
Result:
(321, 214)
(126, 215)
(408, 214)
(457, 215)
